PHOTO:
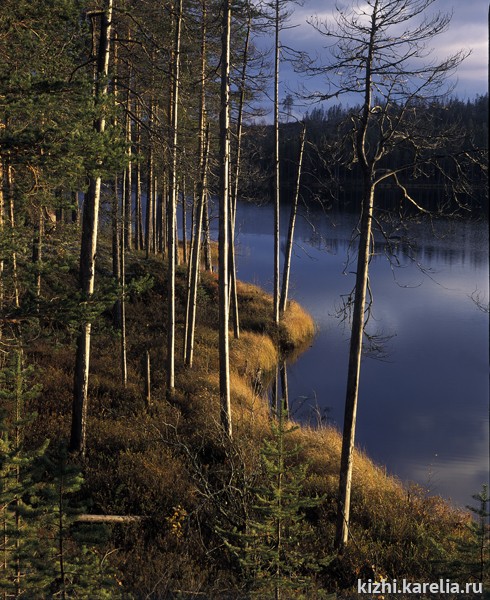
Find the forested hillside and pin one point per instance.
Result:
(140, 453)
(331, 173)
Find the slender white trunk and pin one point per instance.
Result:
(355, 354)
(292, 222)
(224, 366)
(276, 168)
(234, 191)
(195, 260)
(88, 252)
(171, 225)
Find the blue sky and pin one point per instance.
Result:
(468, 30)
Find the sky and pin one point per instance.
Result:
(468, 30)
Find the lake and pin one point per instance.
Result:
(423, 404)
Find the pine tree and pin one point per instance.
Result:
(17, 485)
(43, 553)
(68, 563)
(275, 549)
(473, 562)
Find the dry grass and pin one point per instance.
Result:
(297, 325)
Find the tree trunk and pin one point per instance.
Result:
(184, 224)
(10, 199)
(355, 353)
(88, 251)
(128, 195)
(358, 319)
(172, 208)
(195, 261)
(116, 258)
(276, 168)
(37, 250)
(149, 189)
(234, 191)
(292, 221)
(223, 279)
(147, 379)
(198, 205)
(139, 238)
(122, 284)
(208, 262)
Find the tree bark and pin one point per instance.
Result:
(172, 208)
(234, 191)
(184, 224)
(194, 263)
(276, 167)
(88, 251)
(292, 221)
(355, 354)
(358, 319)
(223, 278)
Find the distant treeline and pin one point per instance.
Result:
(332, 175)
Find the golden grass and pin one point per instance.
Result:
(297, 325)
(253, 354)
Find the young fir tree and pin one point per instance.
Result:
(42, 554)
(17, 486)
(68, 564)
(275, 549)
(473, 562)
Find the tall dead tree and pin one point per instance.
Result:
(89, 247)
(379, 50)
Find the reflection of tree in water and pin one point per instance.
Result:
(424, 240)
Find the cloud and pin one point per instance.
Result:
(467, 30)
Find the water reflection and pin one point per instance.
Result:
(423, 411)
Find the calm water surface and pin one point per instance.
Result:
(423, 408)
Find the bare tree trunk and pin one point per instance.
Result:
(198, 205)
(128, 190)
(223, 278)
(10, 199)
(37, 250)
(358, 320)
(234, 191)
(88, 251)
(208, 262)
(149, 202)
(147, 379)
(122, 284)
(195, 260)
(116, 258)
(154, 225)
(139, 238)
(164, 215)
(355, 352)
(184, 224)
(127, 223)
(292, 221)
(172, 245)
(276, 168)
